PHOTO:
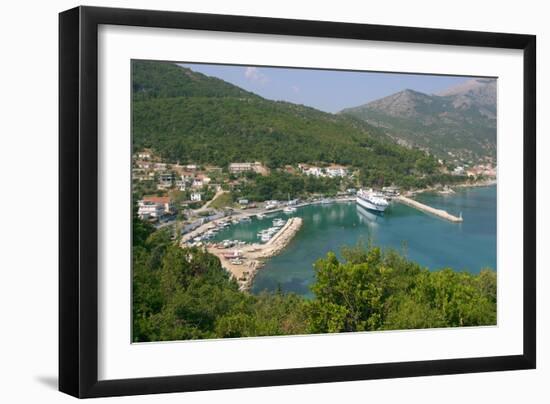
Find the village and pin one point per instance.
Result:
(197, 201)
(165, 190)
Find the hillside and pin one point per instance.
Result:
(189, 117)
(460, 120)
(152, 79)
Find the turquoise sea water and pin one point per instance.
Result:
(430, 241)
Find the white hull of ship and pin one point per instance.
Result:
(368, 205)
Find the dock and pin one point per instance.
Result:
(428, 209)
(252, 256)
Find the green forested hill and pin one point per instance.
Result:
(152, 79)
(188, 117)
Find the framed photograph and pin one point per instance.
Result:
(252, 202)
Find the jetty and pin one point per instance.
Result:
(244, 262)
(428, 209)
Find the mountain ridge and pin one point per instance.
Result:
(190, 117)
(456, 124)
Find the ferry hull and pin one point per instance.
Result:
(370, 206)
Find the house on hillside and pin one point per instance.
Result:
(458, 170)
(236, 168)
(196, 196)
(182, 183)
(144, 155)
(160, 166)
(166, 180)
(336, 171)
(154, 207)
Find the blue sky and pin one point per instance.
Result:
(327, 90)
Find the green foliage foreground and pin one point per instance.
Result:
(186, 294)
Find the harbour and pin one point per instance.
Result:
(252, 243)
(244, 261)
(428, 240)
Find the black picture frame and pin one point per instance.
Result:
(78, 201)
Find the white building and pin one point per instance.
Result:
(144, 155)
(143, 164)
(336, 171)
(196, 196)
(240, 167)
(181, 184)
(243, 167)
(165, 180)
(271, 204)
(458, 170)
(314, 171)
(154, 207)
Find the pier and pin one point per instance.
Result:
(251, 257)
(428, 209)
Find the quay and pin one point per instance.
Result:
(251, 257)
(428, 209)
(240, 214)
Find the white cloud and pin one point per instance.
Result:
(255, 75)
(295, 89)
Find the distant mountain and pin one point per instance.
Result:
(189, 117)
(456, 124)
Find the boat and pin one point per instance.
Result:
(278, 222)
(246, 219)
(289, 210)
(371, 200)
(260, 215)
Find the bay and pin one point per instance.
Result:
(430, 241)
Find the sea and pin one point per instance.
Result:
(431, 241)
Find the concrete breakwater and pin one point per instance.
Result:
(244, 262)
(428, 209)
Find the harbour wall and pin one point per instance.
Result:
(428, 209)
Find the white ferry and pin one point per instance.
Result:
(371, 200)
